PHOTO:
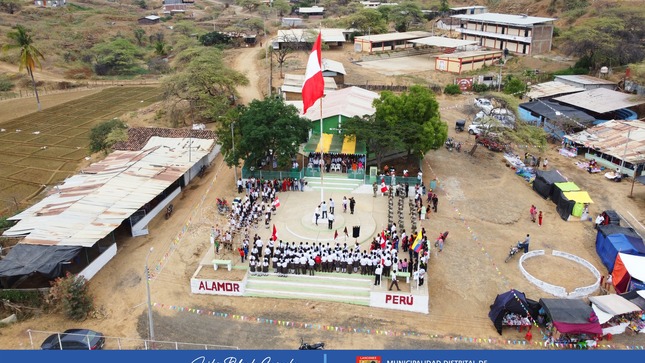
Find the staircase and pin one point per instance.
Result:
(332, 182)
(337, 287)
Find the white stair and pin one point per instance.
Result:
(338, 287)
(332, 182)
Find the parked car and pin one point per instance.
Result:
(503, 115)
(478, 128)
(491, 143)
(74, 339)
(484, 104)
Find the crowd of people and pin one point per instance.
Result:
(346, 162)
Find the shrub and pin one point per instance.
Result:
(70, 294)
(480, 87)
(452, 89)
(5, 83)
(100, 135)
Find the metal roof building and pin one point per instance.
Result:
(550, 89)
(520, 34)
(601, 100)
(89, 206)
(348, 102)
(586, 82)
(611, 142)
(387, 42)
(443, 42)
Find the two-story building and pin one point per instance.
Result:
(520, 34)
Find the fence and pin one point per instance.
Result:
(118, 343)
(271, 174)
(74, 87)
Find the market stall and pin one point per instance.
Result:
(570, 321)
(545, 180)
(617, 315)
(512, 308)
(628, 273)
(612, 239)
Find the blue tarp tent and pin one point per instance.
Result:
(612, 239)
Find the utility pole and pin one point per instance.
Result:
(150, 323)
(233, 152)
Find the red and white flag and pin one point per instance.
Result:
(274, 236)
(314, 86)
(276, 203)
(335, 234)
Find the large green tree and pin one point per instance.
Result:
(205, 82)
(29, 55)
(117, 57)
(380, 134)
(416, 117)
(268, 128)
(367, 21)
(404, 15)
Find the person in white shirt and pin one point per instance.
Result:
(377, 274)
(394, 281)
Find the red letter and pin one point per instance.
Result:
(201, 285)
(236, 287)
(388, 298)
(229, 286)
(410, 300)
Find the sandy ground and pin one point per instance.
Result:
(482, 203)
(14, 108)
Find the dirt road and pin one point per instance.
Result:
(245, 61)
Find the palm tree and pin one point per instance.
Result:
(28, 53)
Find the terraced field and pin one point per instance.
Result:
(44, 148)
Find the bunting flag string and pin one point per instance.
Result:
(394, 333)
(158, 267)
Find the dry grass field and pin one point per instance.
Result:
(42, 149)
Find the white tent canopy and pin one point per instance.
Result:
(614, 304)
(635, 265)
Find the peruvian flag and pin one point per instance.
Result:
(276, 202)
(314, 86)
(274, 236)
(336, 234)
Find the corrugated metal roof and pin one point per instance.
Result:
(611, 137)
(309, 35)
(309, 10)
(552, 88)
(601, 100)
(393, 36)
(473, 53)
(496, 18)
(443, 42)
(584, 79)
(90, 205)
(469, 7)
(494, 35)
(332, 65)
(349, 102)
(293, 83)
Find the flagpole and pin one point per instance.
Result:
(322, 151)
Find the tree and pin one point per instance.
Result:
(416, 116)
(515, 87)
(255, 25)
(71, 294)
(10, 6)
(139, 35)
(613, 39)
(118, 57)
(404, 15)
(29, 54)
(214, 38)
(205, 82)
(380, 135)
(444, 6)
(104, 135)
(367, 21)
(282, 7)
(269, 129)
(249, 5)
(289, 43)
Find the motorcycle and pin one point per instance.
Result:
(442, 237)
(307, 346)
(458, 147)
(513, 251)
(169, 211)
(450, 143)
(223, 206)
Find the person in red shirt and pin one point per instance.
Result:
(317, 260)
